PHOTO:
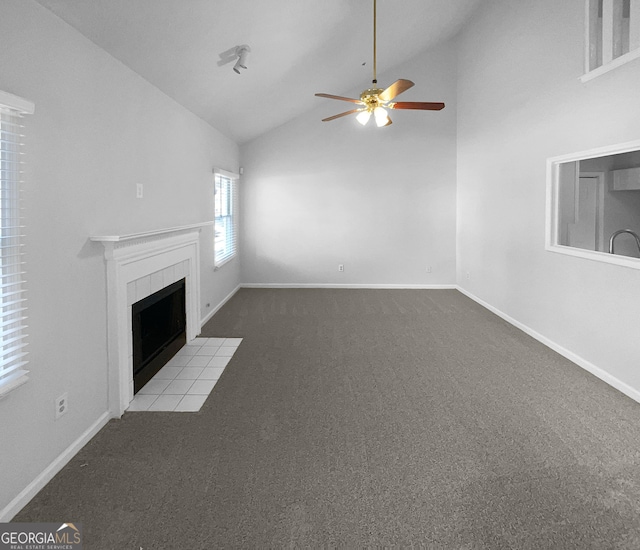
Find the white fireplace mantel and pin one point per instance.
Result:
(138, 265)
(133, 237)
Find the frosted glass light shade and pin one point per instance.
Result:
(363, 117)
(380, 115)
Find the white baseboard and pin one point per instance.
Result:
(20, 501)
(228, 297)
(586, 365)
(355, 285)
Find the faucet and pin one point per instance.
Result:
(613, 238)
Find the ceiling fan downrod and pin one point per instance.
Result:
(370, 97)
(375, 79)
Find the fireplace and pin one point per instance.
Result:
(159, 331)
(137, 266)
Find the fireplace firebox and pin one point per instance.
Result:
(159, 331)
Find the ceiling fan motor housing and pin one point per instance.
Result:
(371, 99)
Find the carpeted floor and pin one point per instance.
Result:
(353, 418)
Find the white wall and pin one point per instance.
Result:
(519, 102)
(381, 201)
(98, 130)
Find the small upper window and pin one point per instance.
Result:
(612, 35)
(13, 361)
(225, 228)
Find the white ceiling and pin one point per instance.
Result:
(298, 47)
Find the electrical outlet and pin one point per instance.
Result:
(468, 275)
(208, 304)
(139, 190)
(429, 269)
(340, 267)
(62, 405)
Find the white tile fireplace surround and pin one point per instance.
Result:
(137, 266)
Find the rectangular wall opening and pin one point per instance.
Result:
(593, 204)
(159, 331)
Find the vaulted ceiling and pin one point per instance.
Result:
(298, 47)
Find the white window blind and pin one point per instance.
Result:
(225, 228)
(12, 301)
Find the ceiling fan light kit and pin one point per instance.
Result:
(376, 101)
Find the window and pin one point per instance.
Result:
(12, 301)
(612, 35)
(225, 228)
(593, 204)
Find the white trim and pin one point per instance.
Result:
(598, 152)
(617, 62)
(603, 257)
(600, 176)
(145, 234)
(13, 381)
(226, 174)
(44, 477)
(16, 103)
(342, 285)
(228, 297)
(551, 210)
(573, 357)
(217, 267)
(551, 200)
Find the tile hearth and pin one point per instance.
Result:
(186, 381)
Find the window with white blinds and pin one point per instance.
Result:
(13, 361)
(225, 228)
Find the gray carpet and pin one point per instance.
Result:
(353, 418)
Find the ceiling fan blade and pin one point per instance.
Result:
(329, 96)
(420, 105)
(340, 115)
(396, 89)
(389, 121)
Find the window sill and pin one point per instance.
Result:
(217, 266)
(617, 62)
(604, 257)
(14, 382)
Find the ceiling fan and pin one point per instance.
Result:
(376, 101)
